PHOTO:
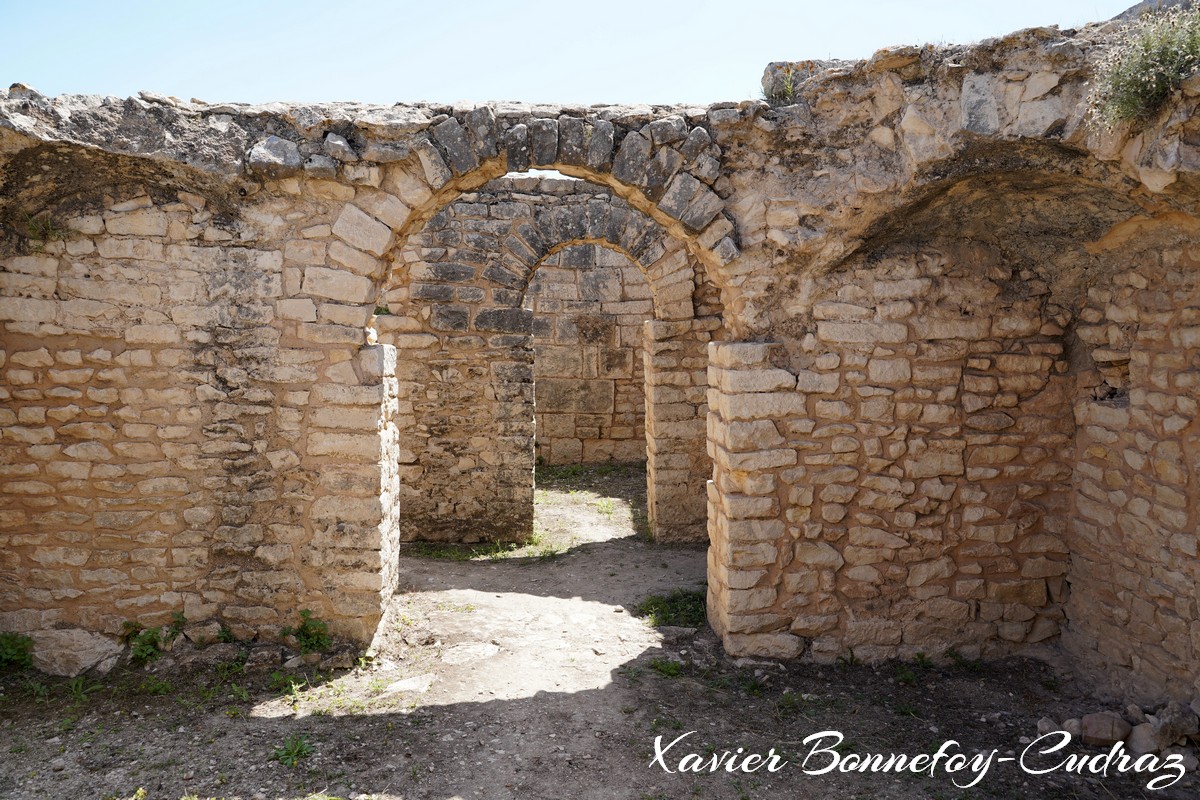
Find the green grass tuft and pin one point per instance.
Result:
(683, 607)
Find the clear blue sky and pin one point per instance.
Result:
(616, 51)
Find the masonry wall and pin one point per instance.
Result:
(1134, 622)
(201, 407)
(895, 480)
(181, 436)
(589, 387)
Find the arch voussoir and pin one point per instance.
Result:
(665, 167)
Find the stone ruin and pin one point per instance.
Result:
(915, 350)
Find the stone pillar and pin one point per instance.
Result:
(348, 567)
(676, 406)
(748, 542)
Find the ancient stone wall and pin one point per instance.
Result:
(1134, 621)
(588, 305)
(179, 438)
(895, 481)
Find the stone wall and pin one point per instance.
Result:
(895, 481)
(1134, 620)
(517, 311)
(678, 467)
(177, 438)
(588, 305)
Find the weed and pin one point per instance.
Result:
(641, 522)
(156, 686)
(293, 750)
(226, 635)
(458, 608)
(311, 634)
(848, 660)
(382, 311)
(456, 552)
(905, 676)
(788, 704)
(287, 685)
(670, 669)
(908, 710)
(227, 669)
(16, 651)
(682, 607)
(751, 685)
(145, 644)
(660, 723)
(79, 689)
(44, 229)
(605, 506)
(37, 690)
(798, 703)
(1137, 76)
(962, 662)
(923, 661)
(783, 92)
(239, 692)
(563, 472)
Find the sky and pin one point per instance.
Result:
(614, 51)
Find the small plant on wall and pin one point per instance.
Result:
(1147, 64)
(311, 634)
(44, 228)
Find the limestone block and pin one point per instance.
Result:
(152, 334)
(337, 285)
(889, 372)
(980, 104)
(360, 230)
(862, 332)
(818, 555)
(144, 222)
(764, 645)
(72, 651)
(573, 396)
(386, 208)
(275, 157)
(1104, 728)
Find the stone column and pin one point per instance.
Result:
(676, 360)
(348, 566)
(748, 541)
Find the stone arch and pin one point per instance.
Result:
(665, 167)
(457, 319)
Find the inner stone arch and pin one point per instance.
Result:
(459, 311)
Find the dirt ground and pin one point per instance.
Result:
(525, 673)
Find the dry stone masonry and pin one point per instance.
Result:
(914, 348)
